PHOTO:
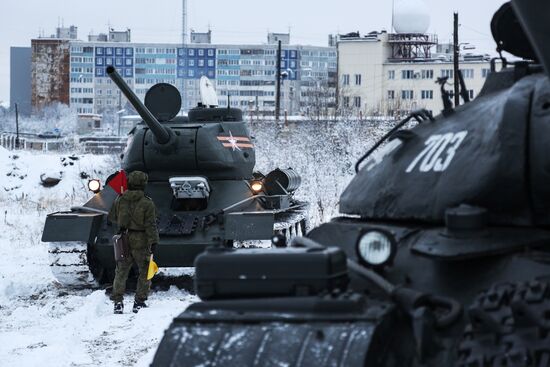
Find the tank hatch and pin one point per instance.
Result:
(164, 101)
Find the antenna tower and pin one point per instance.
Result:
(184, 23)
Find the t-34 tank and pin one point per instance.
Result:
(445, 242)
(201, 180)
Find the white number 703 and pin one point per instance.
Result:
(439, 152)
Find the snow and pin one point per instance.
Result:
(44, 324)
(81, 329)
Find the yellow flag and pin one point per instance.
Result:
(153, 268)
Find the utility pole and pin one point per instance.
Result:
(119, 111)
(16, 127)
(184, 23)
(456, 55)
(257, 110)
(278, 83)
(183, 45)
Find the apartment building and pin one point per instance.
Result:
(244, 74)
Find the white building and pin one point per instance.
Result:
(393, 73)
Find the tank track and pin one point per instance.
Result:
(69, 264)
(509, 326)
(291, 225)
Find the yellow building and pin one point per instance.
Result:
(388, 74)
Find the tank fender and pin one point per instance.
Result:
(291, 335)
(71, 226)
(83, 223)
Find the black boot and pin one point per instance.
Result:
(138, 305)
(119, 307)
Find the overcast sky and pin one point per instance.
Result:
(231, 21)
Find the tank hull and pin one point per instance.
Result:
(281, 332)
(82, 238)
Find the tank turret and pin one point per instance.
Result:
(211, 141)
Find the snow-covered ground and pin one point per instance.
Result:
(42, 323)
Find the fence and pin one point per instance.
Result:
(87, 144)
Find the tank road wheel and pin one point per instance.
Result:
(289, 225)
(509, 326)
(69, 264)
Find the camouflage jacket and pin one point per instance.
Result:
(135, 211)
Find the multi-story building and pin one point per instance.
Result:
(387, 74)
(244, 74)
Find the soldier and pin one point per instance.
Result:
(134, 212)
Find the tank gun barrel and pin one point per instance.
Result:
(533, 16)
(160, 132)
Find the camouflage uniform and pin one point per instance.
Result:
(135, 212)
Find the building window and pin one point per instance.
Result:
(211, 63)
(427, 94)
(201, 52)
(407, 74)
(467, 73)
(357, 79)
(345, 79)
(407, 94)
(346, 101)
(191, 52)
(391, 94)
(191, 73)
(391, 74)
(357, 102)
(201, 63)
(449, 73)
(427, 74)
(191, 62)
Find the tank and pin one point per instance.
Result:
(446, 236)
(201, 179)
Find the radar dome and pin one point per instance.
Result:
(411, 16)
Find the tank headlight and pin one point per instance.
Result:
(94, 186)
(376, 248)
(256, 186)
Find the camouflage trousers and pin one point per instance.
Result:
(140, 253)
